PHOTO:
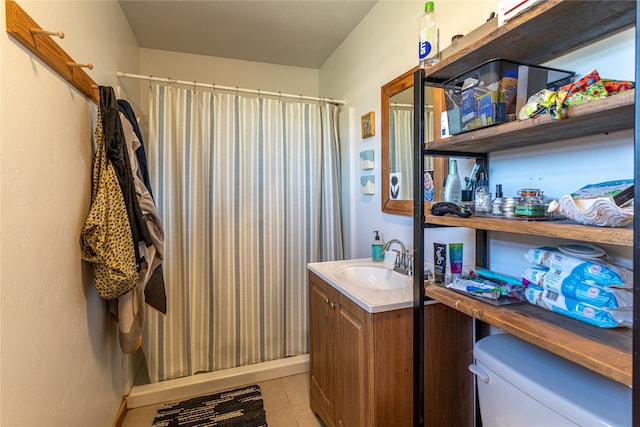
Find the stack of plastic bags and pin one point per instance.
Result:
(588, 290)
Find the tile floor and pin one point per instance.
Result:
(286, 402)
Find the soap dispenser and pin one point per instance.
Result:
(377, 248)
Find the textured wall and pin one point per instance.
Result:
(60, 360)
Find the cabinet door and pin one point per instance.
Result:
(353, 362)
(393, 343)
(448, 351)
(321, 326)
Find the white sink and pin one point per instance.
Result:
(373, 276)
(374, 286)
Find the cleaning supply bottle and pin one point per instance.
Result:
(453, 186)
(496, 205)
(428, 37)
(377, 248)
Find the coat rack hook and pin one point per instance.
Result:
(75, 64)
(46, 32)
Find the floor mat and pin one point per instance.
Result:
(241, 407)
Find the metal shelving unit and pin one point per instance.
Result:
(534, 37)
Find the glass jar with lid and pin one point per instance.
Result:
(531, 203)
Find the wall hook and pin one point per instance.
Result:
(46, 32)
(24, 29)
(78, 65)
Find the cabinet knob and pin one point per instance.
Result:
(326, 300)
(332, 305)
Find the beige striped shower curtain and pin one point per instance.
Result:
(248, 191)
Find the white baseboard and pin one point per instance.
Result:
(181, 388)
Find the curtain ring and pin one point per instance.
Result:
(279, 96)
(237, 92)
(300, 100)
(150, 77)
(214, 88)
(194, 85)
(259, 93)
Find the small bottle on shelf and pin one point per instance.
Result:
(453, 186)
(496, 205)
(483, 196)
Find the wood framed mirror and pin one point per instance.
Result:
(397, 145)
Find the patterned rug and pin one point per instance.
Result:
(241, 407)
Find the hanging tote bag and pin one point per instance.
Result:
(107, 241)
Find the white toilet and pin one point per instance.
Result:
(520, 384)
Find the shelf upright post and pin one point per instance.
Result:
(635, 410)
(418, 245)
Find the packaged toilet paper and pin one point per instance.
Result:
(576, 288)
(558, 303)
(590, 271)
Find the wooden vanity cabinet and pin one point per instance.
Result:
(339, 362)
(361, 363)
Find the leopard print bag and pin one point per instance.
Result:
(107, 241)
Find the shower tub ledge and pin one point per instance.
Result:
(181, 388)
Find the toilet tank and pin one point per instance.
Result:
(520, 384)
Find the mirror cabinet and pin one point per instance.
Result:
(397, 145)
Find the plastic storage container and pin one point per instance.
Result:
(520, 384)
(494, 92)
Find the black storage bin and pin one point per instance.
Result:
(493, 92)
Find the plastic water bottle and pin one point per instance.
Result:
(453, 186)
(429, 38)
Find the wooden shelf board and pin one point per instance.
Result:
(563, 229)
(605, 351)
(613, 113)
(533, 36)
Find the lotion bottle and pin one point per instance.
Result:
(377, 248)
(453, 186)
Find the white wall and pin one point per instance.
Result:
(560, 168)
(383, 46)
(61, 363)
(219, 71)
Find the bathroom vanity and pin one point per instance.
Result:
(361, 357)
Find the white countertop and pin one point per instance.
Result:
(372, 300)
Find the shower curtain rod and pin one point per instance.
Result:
(229, 88)
(398, 104)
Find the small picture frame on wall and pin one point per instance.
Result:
(368, 184)
(395, 186)
(367, 160)
(368, 125)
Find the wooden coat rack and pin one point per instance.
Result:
(39, 41)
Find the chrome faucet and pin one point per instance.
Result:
(404, 260)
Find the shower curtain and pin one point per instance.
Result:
(401, 145)
(248, 191)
